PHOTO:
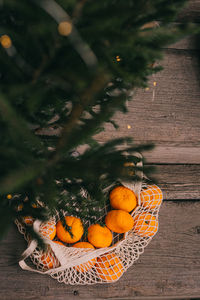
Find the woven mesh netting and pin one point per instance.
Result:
(72, 265)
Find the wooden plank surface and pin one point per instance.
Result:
(191, 12)
(188, 43)
(170, 265)
(171, 118)
(180, 182)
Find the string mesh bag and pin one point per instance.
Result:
(71, 265)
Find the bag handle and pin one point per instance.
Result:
(30, 250)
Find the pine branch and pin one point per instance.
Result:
(78, 109)
(78, 10)
(39, 70)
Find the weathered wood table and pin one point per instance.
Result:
(170, 265)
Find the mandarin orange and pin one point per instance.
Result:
(48, 229)
(48, 258)
(76, 228)
(123, 198)
(145, 224)
(109, 267)
(119, 221)
(88, 265)
(151, 197)
(28, 220)
(99, 236)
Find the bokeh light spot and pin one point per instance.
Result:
(5, 41)
(65, 28)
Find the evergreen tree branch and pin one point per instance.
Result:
(78, 10)
(40, 69)
(18, 126)
(87, 98)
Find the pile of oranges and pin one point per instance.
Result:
(120, 219)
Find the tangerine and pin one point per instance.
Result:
(88, 265)
(48, 229)
(145, 224)
(119, 221)
(123, 198)
(49, 260)
(76, 228)
(28, 220)
(151, 197)
(99, 236)
(109, 267)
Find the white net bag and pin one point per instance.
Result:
(74, 265)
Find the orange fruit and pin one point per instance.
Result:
(49, 260)
(145, 224)
(28, 220)
(58, 242)
(88, 265)
(83, 245)
(76, 230)
(35, 205)
(119, 221)
(99, 236)
(109, 267)
(151, 197)
(123, 198)
(48, 229)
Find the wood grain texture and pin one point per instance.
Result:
(173, 153)
(188, 43)
(191, 12)
(169, 267)
(171, 118)
(180, 182)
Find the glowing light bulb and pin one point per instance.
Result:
(129, 126)
(118, 58)
(65, 28)
(9, 196)
(147, 89)
(154, 83)
(5, 41)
